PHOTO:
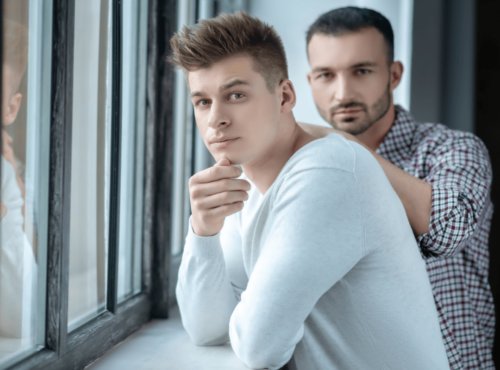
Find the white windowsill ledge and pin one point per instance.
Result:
(165, 345)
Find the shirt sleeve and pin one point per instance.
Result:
(305, 249)
(460, 176)
(18, 268)
(209, 284)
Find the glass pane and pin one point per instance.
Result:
(24, 169)
(183, 145)
(89, 162)
(134, 51)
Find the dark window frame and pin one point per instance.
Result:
(79, 348)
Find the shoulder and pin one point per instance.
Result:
(437, 139)
(333, 152)
(323, 165)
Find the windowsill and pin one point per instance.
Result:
(164, 344)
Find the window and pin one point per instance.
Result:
(24, 189)
(90, 157)
(86, 169)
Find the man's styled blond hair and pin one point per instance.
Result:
(227, 35)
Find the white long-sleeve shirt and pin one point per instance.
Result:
(18, 268)
(322, 270)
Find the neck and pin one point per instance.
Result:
(376, 133)
(290, 138)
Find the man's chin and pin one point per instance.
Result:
(232, 160)
(351, 127)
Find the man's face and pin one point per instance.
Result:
(236, 114)
(11, 101)
(350, 78)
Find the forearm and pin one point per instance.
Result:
(414, 193)
(204, 293)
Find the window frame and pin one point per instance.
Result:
(87, 343)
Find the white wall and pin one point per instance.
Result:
(292, 18)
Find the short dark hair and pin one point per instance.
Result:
(226, 35)
(351, 19)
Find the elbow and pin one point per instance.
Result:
(258, 345)
(440, 250)
(260, 354)
(261, 359)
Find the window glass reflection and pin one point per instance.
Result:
(134, 50)
(89, 162)
(24, 174)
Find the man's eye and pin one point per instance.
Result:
(325, 75)
(202, 103)
(362, 71)
(236, 96)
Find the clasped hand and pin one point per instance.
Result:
(216, 193)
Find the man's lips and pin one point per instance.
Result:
(348, 111)
(222, 142)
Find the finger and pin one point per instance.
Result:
(202, 190)
(221, 199)
(225, 210)
(215, 173)
(223, 162)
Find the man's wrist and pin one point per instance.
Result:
(204, 233)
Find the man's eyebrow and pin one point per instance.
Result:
(224, 87)
(364, 64)
(196, 93)
(233, 83)
(320, 69)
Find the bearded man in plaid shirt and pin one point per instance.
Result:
(442, 176)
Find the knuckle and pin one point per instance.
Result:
(225, 196)
(212, 172)
(223, 184)
(195, 204)
(194, 191)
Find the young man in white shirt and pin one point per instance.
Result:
(306, 258)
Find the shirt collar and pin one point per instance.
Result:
(396, 145)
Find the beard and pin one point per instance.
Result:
(372, 114)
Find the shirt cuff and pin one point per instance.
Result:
(203, 246)
(446, 223)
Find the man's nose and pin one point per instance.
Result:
(217, 117)
(343, 90)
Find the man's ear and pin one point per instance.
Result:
(396, 72)
(12, 109)
(288, 97)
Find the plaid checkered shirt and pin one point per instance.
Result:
(457, 166)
